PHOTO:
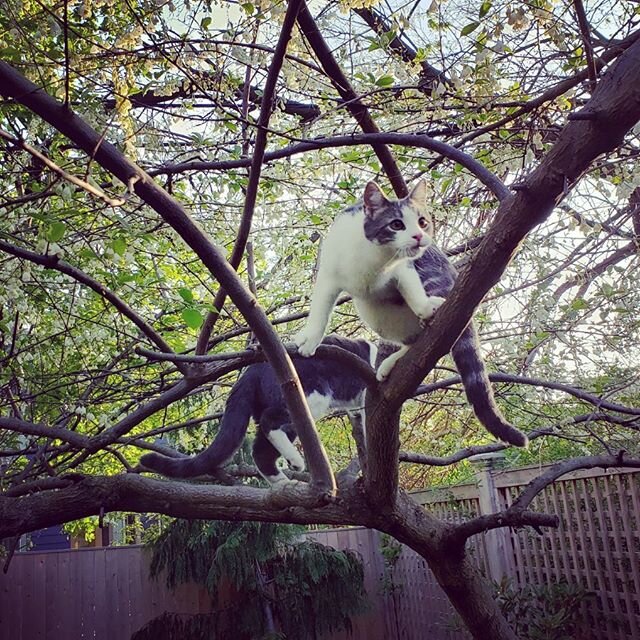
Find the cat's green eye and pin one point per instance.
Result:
(422, 223)
(396, 225)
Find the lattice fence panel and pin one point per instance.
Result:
(419, 609)
(459, 510)
(597, 545)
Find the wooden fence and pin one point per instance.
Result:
(597, 544)
(87, 593)
(106, 593)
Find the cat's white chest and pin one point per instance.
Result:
(354, 262)
(370, 273)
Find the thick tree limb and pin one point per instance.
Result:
(14, 85)
(84, 496)
(614, 110)
(76, 496)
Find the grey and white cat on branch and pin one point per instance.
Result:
(381, 252)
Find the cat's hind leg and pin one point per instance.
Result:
(274, 425)
(265, 456)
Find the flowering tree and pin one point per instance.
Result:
(167, 172)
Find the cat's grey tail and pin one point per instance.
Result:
(466, 355)
(231, 433)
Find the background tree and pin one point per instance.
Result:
(286, 586)
(145, 143)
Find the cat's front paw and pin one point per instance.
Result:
(385, 368)
(429, 307)
(307, 342)
(383, 372)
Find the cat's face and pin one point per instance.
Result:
(402, 226)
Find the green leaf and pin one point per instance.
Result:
(186, 294)
(231, 126)
(470, 28)
(55, 231)
(205, 22)
(385, 81)
(607, 289)
(248, 7)
(352, 156)
(119, 246)
(579, 303)
(484, 8)
(192, 317)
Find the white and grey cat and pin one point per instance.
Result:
(380, 251)
(327, 387)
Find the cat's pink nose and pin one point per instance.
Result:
(417, 236)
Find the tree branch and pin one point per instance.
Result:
(583, 22)
(94, 191)
(44, 431)
(14, 85)
(251, 193)
(509, 378)
(417, 140)
(355, 106)
(53, 262)
(462, 532)
(616, 108)
(538, 484)
(251, 356)
(429, 75)
(557, 90)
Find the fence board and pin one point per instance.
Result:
(632, 541)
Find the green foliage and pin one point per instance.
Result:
(310, 589)
(541, 612)
(177, 626)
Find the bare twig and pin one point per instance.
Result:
(583, 22)
(21, 144)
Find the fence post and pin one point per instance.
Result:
(497, 541)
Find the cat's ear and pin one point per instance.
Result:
(418, 196)
(373, 199)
